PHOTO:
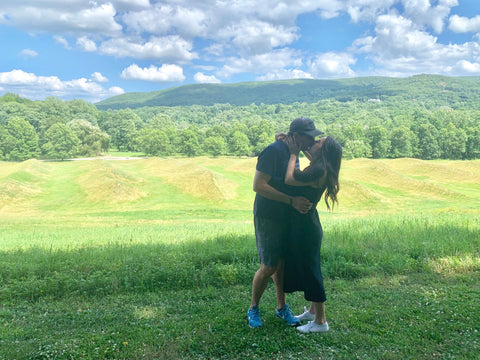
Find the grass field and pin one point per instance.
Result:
(153, 259)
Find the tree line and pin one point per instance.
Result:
(56, 129)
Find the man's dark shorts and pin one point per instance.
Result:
(271, 236)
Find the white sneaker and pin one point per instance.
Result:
(307, 315)
(312, 326)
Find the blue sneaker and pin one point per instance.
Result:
(286, 314)
(253, 315)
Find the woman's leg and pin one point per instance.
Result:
(319, 311)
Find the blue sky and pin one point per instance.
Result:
(93, 50)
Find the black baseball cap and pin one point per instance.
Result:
(304, 126)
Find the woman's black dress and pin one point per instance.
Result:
(302, 258)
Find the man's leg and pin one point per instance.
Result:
(278, 280)
(260, 282)
(283, 311)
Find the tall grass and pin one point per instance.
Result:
(145, 259)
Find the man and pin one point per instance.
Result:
(272, 201)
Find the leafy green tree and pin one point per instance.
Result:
(11, 109)
(174, 138)
(263, 140)
(473, 143)
(215, 146)
(80, 109)
(404, 142)
(379, 139)
(54, 107)
(452, 142)
(428, 142)
(153, 142)
(62, 143)
(239, 144)
(46, 123)
(189, 144)
(336, 131)
(355, 131)
(356, 143)
(237, 126)
(21, 143)
(356, 149)
(92, 140)
(200, 137)
(5, 139)
(161, 121)
(217, 130)
(124, 129)
(106, 122)
(256, 133)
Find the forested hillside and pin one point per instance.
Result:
(426, 117)
(429, 90)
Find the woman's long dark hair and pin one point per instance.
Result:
(329, 157)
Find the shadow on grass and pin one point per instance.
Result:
(349, 252)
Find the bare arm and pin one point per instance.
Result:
(289, 175)
(262, 187)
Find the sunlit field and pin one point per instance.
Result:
(153, 259)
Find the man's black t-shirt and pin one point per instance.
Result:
(273, 160)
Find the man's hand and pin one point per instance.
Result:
(301, 204)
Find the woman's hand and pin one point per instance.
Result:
(280, 136)
(292, 146)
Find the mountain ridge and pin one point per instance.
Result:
(303, 91)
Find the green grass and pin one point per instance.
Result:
(167, 274)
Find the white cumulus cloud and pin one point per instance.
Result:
(422, 12)
(461, 24)
(256, 37)
(86, 44)
(168, 48)
(365, 10)
(163, 19)
(263, 63)
(28, 53)
(72, 17)
(165, 73)
(332, 65)
(36, 87)
(285, 74)
(468, 68)
(200, 77)
(98, 77)
(62, 41)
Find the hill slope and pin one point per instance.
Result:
(169, 186)
(444, 90)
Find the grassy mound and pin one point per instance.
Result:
(189, 176)
(103, 182)
(20, 182)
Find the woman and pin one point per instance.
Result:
(302, 265)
